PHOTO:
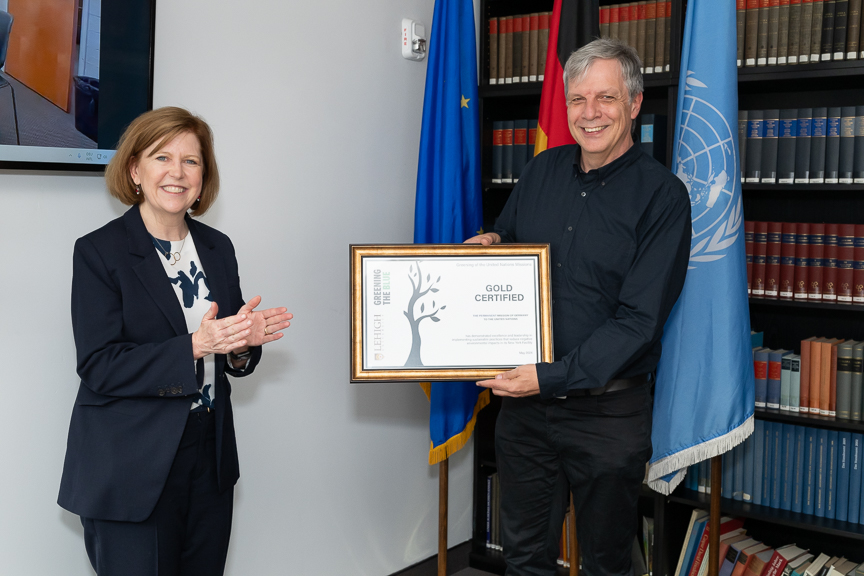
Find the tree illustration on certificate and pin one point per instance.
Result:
(421, 288)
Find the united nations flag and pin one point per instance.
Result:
(704, 397)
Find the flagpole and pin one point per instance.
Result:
(443, 481)
(714, 520)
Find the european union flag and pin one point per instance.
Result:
(449, 206)
(704, 397)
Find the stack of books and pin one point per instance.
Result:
(643, 25)
(517, 48)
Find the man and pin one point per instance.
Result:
(619, 227)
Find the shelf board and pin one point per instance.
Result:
(801, 71)
(810, 420)
(798, 304)
(773, 515)
(487, 185)
(507, 90)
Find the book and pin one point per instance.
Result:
(816, 252)
(787, 466)
(821, 473)
(841, 23)
(818, 135)
(831, 475)
(726, 542)
(773, 252)
(858, 153)
(802, 259)
(816, 565)
(660, 36)
(787, 129)
(832, 146)
(751, 32)
(641, 30)
(516, 42)
(798, 469)
(749, 238)
(730, 560)
(505, 43)
(749, 465)
(827, 43)
(633, 38)
(760, 365)
(520, 147)
(809, 477)
(775, 363)
(858, 270)
(526, 47)
(744, 558)
(785, 381)
(816, 374)
(768, 461)
(828, 362)
(844, 440)
(783, 41)
(698, 519)
(668, 34)
(855, 478)
(700, 556)
(762, 34)
(847, 145)
(856, 411)
(533, 46)
(497, 151)
(804, 375)
(773, 32)
(740, 24)
(604, 21)
(829, 263)
(798, 565)
(770, 132)
(738, 472)
(845, 262)
(742, 143)
(650, 35)
(503, 39)
(493, 51)
(542, 43)
(853, 29)
(624, 22)
(777, 455)
(794, 31)
(787, 260)
(781, 558)
(507, 154)
(803, 145)
(758, 462)
(760, 248)
(832, 395)
(613, 21)
(806, 29)
(816, 31)
(795, 383)
(757, 562)
(844, 379)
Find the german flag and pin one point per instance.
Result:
(574, 23)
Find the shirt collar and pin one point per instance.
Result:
(606, 171)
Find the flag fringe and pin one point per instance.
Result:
(677, 463)
(452, 445)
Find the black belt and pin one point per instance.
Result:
(611, 386)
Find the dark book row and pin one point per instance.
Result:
(797, 468)
(802, 146)
(512, 147)
(825, 379)
(643, 25)
(780, 32)
(517, 48)
(799, 261)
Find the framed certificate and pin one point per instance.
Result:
(424, 312)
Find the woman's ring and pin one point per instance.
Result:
(265, 331)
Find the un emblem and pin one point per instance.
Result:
(707, 160)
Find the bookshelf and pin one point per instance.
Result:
(785, 324)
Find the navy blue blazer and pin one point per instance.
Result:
(137, 372)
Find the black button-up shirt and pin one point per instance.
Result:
(620, 243)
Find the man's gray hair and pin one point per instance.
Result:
(605, 49)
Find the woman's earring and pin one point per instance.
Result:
(137, 189)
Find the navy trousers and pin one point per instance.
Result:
(595, 446)
(187, 533)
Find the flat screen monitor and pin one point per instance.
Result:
(76, 73)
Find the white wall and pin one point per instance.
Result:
(317, 121)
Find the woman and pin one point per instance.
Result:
(159, 323)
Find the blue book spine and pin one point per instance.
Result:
(810, 463)
(844, 440)
(759, 357)
(728, 471)
(831, 480)
(768, 463)
(738, 472)
(798, 474)
(777, 464)
(855, 478)
(693, 543)
(787, 465)
(758, 459)
(821, 472)
(748, 468)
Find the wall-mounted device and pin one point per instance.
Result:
(413, 40)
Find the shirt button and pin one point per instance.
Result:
(559, 264)
(569, 228)
(583, 194)
(602, 183)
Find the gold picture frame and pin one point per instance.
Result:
(503, 323)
